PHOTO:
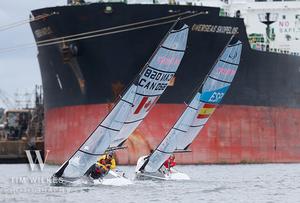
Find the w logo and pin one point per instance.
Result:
(38, 158)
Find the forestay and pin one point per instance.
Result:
(132, 107)
(202, 105)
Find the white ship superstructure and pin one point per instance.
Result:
(282, 16)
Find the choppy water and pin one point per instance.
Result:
(210, 183)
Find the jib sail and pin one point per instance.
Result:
(200, 108)
(133, 106)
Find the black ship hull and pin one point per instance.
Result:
(258, 121)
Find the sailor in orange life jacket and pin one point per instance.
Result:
(170, 162)
(102, 167)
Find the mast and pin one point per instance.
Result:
(202, 105)
(132, 107)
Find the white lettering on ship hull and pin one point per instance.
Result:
(215, 28)
(43, 32)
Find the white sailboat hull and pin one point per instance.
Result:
(173, 174)
(112, 178)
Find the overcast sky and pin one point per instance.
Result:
(19, 70)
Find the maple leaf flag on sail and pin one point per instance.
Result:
(146, 104)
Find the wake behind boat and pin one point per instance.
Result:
(129, 111)
(113, 178)
(116, 179)
(198, 111)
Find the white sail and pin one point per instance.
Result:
(132, 107)
(198, 111)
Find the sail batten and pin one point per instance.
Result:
(90, 153)
(132, 107)
(164, 152)
(148, 95)
(229, 62)
(192, 108)
(128, 102)
(220, 80)
(196, 126)
(204, 102)
(184, 131)
(108, 128)
(153, 68)
(129, 122)
(170, 49)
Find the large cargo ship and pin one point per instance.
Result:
(89, 52)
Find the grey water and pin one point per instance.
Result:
(209, 183)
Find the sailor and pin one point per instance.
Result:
(107, 161)
(102, 167)
(170, 162)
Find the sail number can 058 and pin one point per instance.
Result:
(155, 80)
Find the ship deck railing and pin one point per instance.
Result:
(263, 47)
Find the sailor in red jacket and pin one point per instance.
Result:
(170, 162)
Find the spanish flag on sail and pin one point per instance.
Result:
(206, 111)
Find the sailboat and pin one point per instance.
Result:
(131, 108)
(202, 105)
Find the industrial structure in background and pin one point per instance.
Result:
(21, 126)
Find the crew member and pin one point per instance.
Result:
(170, 162)
(102, 167)
(107, 161)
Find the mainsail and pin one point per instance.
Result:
(132, 107)
(200, 108)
